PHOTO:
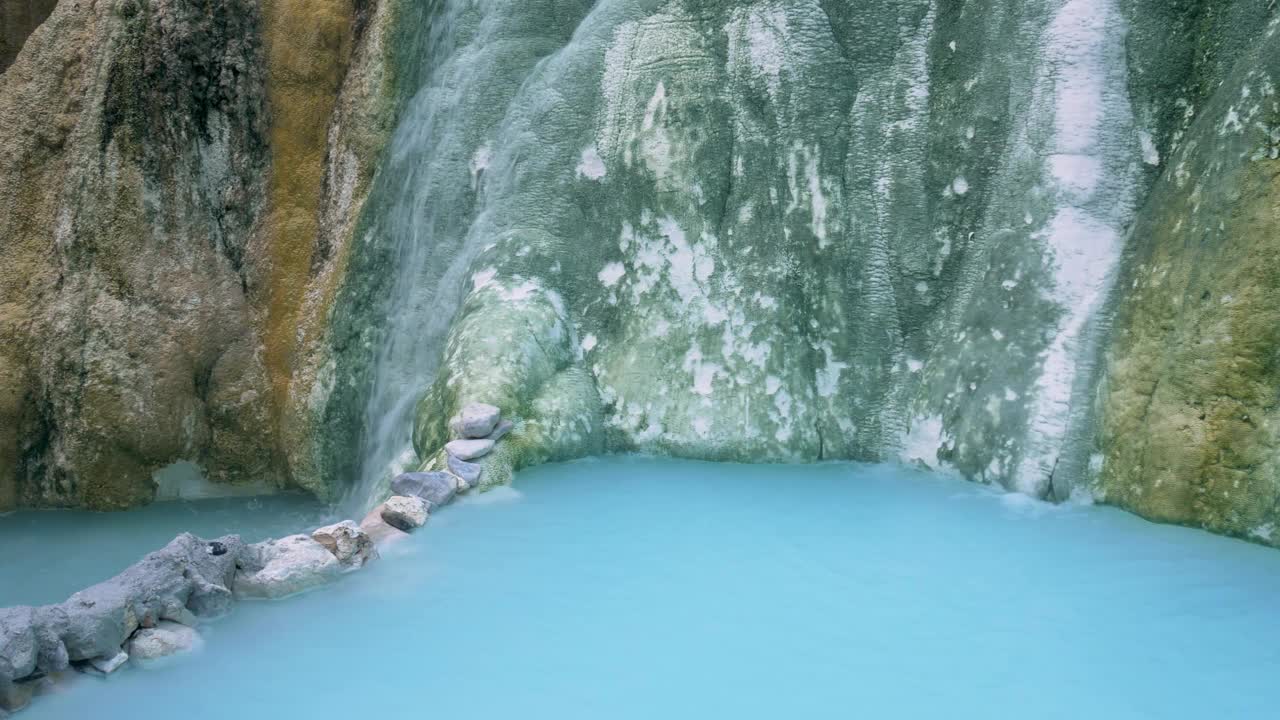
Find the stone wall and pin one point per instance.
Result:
(166, 161)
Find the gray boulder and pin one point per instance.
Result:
(469, 449)
(52, 656)
(275, 568)
(476, 420)
(18, 648)
(347, 542)
(165, 639)
(182, 576)
(180, 581)
(469, 472)
(405, 512)
(437, 488)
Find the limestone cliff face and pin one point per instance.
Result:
(131, 166)
(950, 233)
(756, 230)
(162, 169)
(1191, 432)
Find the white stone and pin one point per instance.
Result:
(347, 542)
(405, 513)
(163, 640)
(286, 566)
(107, 665)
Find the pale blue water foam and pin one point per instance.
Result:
(661, 589)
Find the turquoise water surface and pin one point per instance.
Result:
(630, 588)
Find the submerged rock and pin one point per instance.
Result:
(469, 449)
(15, 696)
(347, 542)
(275, 568)
(166, 638)
(437, 488)
(405, 512)
(477, 420)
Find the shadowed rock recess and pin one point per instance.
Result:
(1030, 241)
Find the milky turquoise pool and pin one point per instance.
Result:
(659, 589)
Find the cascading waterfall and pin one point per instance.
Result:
(768, 241)
(425, 220)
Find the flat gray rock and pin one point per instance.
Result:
(436, 488)
(469, 449)
(347, 542)
(292, 564)
(163, 640)
(405, 512)
(476, 420)
(469, 472)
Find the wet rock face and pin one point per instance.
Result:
(1190, 424)
(132, 155)
(761, 230)
(155, 156)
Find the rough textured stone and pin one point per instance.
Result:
(347, 542)
(132, 170)
(475, 420)
(181, 208)
(865, 248)
(94, 623)
(405, 512)
(163, 640)
(469, 449)
(275, 568)
(1190, 423)
(18, 649)
(108, 664)
(437, 488)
